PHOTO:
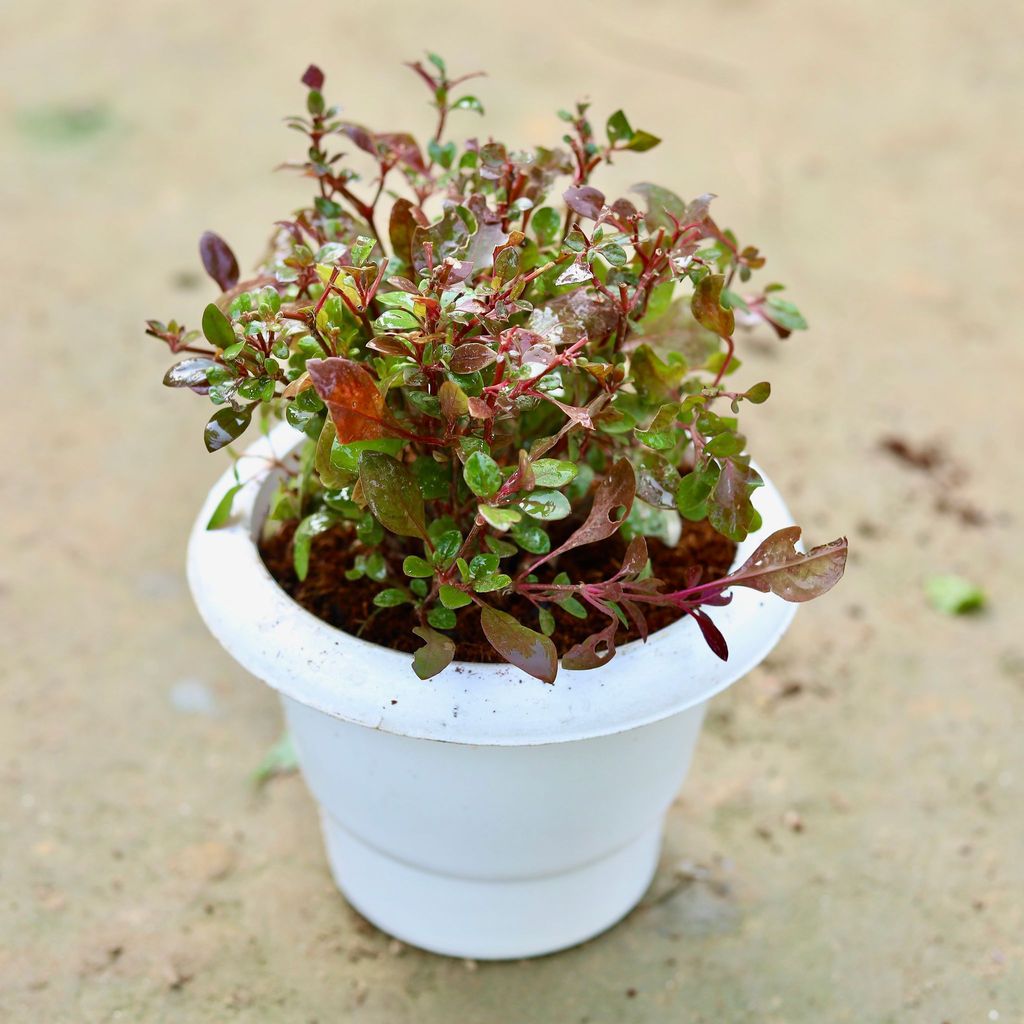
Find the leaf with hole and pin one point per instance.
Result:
(435, 655)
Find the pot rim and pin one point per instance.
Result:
(292, 650)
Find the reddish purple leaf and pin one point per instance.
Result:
(362, 138)
(777, 567)
(597, 650)
(712, 634)
(636, 556)
(313, 78)
(219, 260)
(614, 494)
(525, 648)
(584, 200)
(472, 356)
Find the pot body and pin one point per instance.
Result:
(492, 852)
(480, 813)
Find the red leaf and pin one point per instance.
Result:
(635, 558)
(584, 200)
(615, 491)
(777, 567)
(362, 137)
(404, 148)
(219, 260)
(313, 78)
(712, 634)
(471, 356)
(528, 650)
(597, 650)
(352, 398)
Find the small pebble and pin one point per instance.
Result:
(193, 697)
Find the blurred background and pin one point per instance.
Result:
(849, 844)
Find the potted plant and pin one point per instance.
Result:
(508, 451)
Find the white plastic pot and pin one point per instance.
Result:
(482, 813)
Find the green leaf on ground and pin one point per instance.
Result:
(954, 595)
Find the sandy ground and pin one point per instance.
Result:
(849, 845)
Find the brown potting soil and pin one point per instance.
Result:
(348, 604)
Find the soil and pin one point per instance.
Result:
(348, 604)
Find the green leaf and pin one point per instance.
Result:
(330, 475)
(547, 621)
(654, 379)
(487, 584)
(501, 548)
(954, 595)
(441, 154)
(572, 606)
(468, 103)
(618, 128)
(499, 518)
(217, 327)
(441, 618)
(661, 434)
(452, 597)
(483, 565)
(657, 481)
(532, 538)
(302, 541)
(452, 401)
(433, 477)
(280, 759)
(614, 254)
(506, 266)
(346, 456)
(553, 472)
(446, 545)
(396, 320)
(547, 224)
(416, 566)
(391, 598)
(642, 141)
(694, 491)
(435, 655)
(225, 425)
(361, 249)
(519, 645)
(546, 505)
(392, 494)
(758, 393)
(222, 513)
(707, 308)
(785, 314)
(482, 475)
(725, 444)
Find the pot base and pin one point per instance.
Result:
(490, 919)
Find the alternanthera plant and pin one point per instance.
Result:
(478, 342)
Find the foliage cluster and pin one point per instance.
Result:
(506, 348)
